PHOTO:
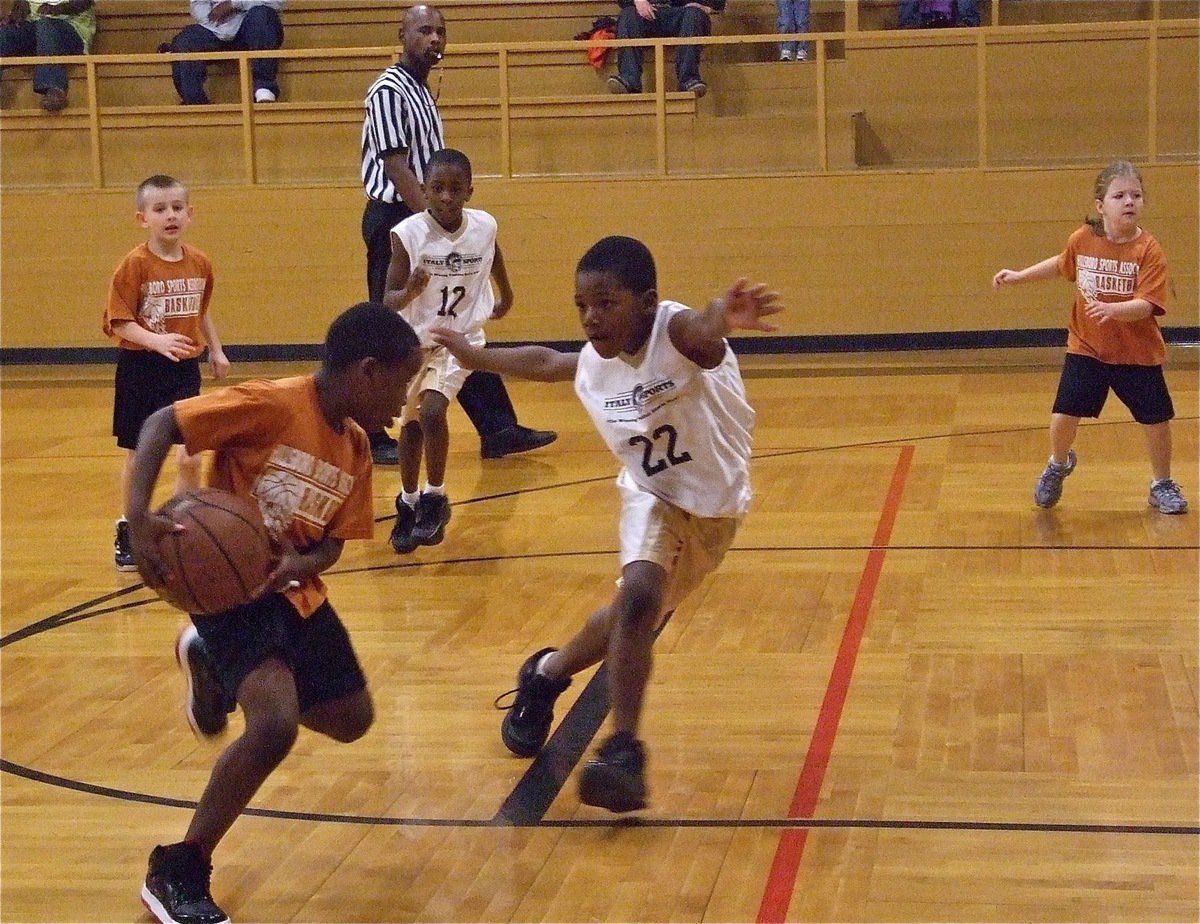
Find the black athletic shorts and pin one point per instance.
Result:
(146, 382)
(317, 650)
(1085, 382)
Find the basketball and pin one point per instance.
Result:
(222, 556)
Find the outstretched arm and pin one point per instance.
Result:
(1046, 269)
(536, 363)
(700, 335)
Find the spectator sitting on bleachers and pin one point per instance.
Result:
(663, 19)
(234, 25)
(925, 14)
(33, 28)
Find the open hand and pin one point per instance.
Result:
(145, 533)
(746, 305)
(174, 346)
(454, 341)
(1099, 311)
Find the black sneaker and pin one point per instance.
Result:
(615, 779)
(177, 884)
(206, 705)
(513, 440)
(433, 513)
(402, 530)
(384, 449)
(122, 550)
(527, 725)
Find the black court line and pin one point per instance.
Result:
(902, 824)
(533, 794)
(531, 798)
(543, 781)
(762, 455)
(74, 614)
(84, 611)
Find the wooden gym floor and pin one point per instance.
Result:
(907, 695)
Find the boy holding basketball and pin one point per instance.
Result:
(664, 390)
(298, 449)
(443, 262)
(157, 312)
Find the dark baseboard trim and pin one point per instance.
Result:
(749, 345)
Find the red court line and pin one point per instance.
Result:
(781, 882)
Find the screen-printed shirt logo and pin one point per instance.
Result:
(453, 264)
(635, 403)
(296, 485)
(1100, 276)
(163, 300)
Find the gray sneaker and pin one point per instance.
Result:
(1049, 486)
(1166, 497)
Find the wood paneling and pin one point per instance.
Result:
(862, 253)
(1018, 741)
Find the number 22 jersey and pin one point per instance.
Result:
(682, 432)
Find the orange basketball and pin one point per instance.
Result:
(222, 556)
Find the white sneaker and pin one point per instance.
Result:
(263, 95)
(801, 55)
(785, 55)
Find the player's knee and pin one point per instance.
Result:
(433, 415)
(271, 735)
(355, 723)
(639, 605)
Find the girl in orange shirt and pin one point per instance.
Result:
(1113, 338)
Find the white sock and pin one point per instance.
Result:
(434, 488)
(410, 498)
(1155, 482)
(541, 665)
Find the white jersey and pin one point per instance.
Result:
(459, 294)
(681, 431)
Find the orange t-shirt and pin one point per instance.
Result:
(274, 445)
(1112, 272)
(164, 296)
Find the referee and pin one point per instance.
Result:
(402, 128)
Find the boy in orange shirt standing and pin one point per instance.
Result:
(157, 312)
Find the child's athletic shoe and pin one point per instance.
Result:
(206, 706)
(615, 779)
(802, 55)
(433, 513)
(527, 725)
(1049, 486)
(402, 530)
(1166, 497)
(785, 55)
(122, 549)
(176, 890)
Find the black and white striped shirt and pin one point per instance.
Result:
(401, 115)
